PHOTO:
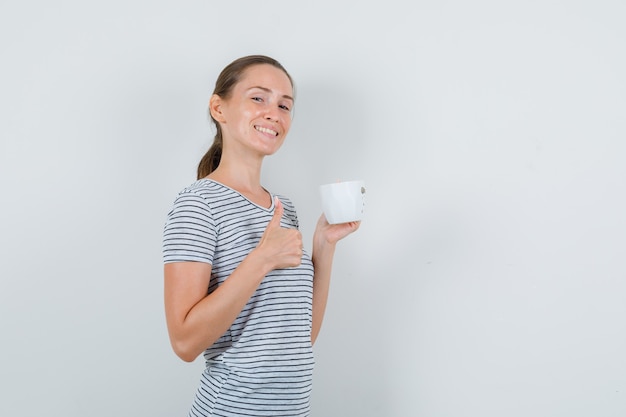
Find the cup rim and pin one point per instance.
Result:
(342, 182)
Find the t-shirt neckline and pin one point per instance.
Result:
(267, 209)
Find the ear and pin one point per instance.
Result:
(215, 107)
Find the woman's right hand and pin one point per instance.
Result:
(280, 247)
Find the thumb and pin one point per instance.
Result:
(278, 214)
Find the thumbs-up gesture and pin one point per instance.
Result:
(280, 246)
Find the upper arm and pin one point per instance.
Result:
(189, 241)
(185, 284)
(190, 232)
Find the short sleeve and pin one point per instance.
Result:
(190, 233)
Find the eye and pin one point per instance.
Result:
(258, 99)
(284, 107)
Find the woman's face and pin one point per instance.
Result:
(257, 115)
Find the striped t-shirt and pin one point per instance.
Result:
(263, 364)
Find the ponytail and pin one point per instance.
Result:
(212, 157)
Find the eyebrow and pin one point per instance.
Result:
(267, 90)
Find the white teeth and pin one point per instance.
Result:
(264, 130)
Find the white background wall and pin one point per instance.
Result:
(487, 279)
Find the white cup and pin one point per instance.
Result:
(343, 202)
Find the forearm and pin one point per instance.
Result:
(211, 316)
(323, 255)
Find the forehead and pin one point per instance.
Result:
(268, 77)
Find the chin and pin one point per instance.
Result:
(270, 153)
(270, 150)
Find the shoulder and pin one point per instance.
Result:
(193, 201)
(205, 192)
(202, 188)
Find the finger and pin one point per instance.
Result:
(278, 214)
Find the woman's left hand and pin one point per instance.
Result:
(332, 233)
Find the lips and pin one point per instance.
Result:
(266, 130)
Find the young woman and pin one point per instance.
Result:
(239, 286)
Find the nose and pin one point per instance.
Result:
(271, 118)
(271, 114)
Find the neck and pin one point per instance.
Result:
(243, 177)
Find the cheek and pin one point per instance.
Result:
(247, 113)
(244, 119)
(287, 124)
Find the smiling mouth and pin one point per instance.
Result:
(265, 130)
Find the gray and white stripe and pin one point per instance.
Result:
(263, 365)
